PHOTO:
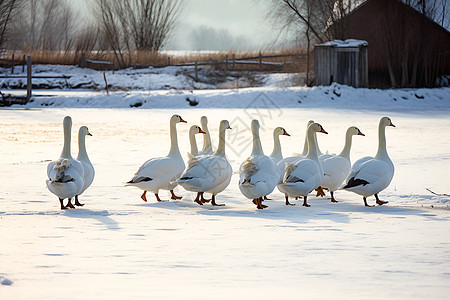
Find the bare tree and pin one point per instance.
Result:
(8, 10)
(135, 24)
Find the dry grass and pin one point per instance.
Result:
(293, 60)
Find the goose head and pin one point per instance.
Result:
(280, 131)
(255, 125)
(386, 121)
(177, 119)
(84, 131)
(316, 127)
(204, 121)
(224, 124)
(353, 130)
(67, 122)
(195, 129)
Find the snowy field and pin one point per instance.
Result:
(118, 247)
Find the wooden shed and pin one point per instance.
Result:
(344, 62)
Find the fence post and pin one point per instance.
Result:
(260, 61)
(106, 83)
(226, 63)
(28, 78)
(12, 64)
(168, 60)
(23, 64)
(196, 71)
(233, 60)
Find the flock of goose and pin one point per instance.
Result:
(210, 172)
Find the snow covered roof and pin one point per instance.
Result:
(349, 43)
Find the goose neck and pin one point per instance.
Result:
(193, 141)
(174, 150)
(312, 146)
(276, 146)
(382, 151)
(82, 145)
(257, 147)
(206, 140)
(66, 152)
(221, 147)
(348, 145)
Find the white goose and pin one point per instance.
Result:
(281, 165)
(207, 146)
(192, 132)
(161, 172)
(258, 173)
(370, 175)
(83, 158)
(306, 174)
(337, 167)
(208, 173)
(65, 175)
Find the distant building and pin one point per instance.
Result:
(344, 62)
(405, 48)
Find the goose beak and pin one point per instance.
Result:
(89, 134)
(360, 133)
(323, 131)
(182, 121)
(201, 131)
(285, 133)
(229, 127)
(392, 125)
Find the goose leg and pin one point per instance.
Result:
(259, 204)
(213, 201)
(159, 199)
(332, 198)
(304, 202)
(173, 196)
(380, 202)
(62, 205)
(76, 201)
(197, 199)
(255, 201)
(203, 199)
(365, 202)
(320, 192)
(265, 198)
(287, 201)
(69, 204)
(143, 196)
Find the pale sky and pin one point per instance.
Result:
(225, 24)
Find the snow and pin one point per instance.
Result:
(117, 246)
(349, 43)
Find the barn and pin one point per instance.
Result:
(405, 48)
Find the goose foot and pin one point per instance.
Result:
(159, 199)
(203, 199)
(61, 202)
(304, 202)
(255, 201)
(265, 198)
(320, 192)
(173, 196)
(143, 196)
(380, 202)
(78, 203)
(197, 199)
(213, 201)
(332, 198)
(259, 205)
(288, 203)
(69, 204)
(365, 203)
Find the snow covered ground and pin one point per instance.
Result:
(118, 247)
